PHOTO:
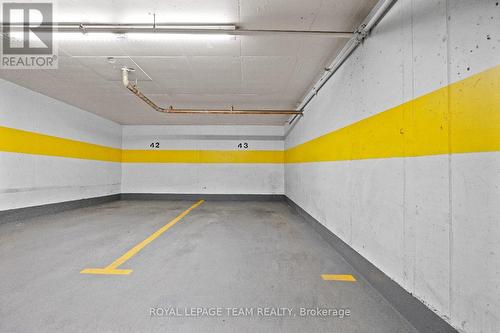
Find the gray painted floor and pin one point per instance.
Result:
(223, 254)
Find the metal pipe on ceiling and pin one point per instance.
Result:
(161, 28)
(325, 33)
(377, 13)
(172, 110)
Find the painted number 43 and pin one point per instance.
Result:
(243, 145)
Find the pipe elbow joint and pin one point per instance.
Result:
(125, 79)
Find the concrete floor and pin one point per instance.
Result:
(223, 254)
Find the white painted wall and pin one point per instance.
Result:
(30, 180)
(203, 178)
(430, 223)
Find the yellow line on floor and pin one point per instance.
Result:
(338, 277)
(112, 268)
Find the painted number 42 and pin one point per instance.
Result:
(155, 145)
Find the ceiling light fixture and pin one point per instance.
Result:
(159, 28)
(111, 27)
(79, 36)
(156, 32)
(225, 27)
(137, 36)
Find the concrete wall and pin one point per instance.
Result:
(429, 221)
(197, 176)
(53, 152)
(32, 179)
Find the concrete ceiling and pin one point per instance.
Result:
(258, 72)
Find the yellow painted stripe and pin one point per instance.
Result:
(106, 271)
(203, 156)
(112, 268)
(460, 118)
(18, 141)
(338, 277)
(25, 142)
(463, 117)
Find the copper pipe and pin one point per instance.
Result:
(234, 112)
(171, 109)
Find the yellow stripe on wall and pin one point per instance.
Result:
(18, 141)
(463, 117)
(203, 156)
(460, 118)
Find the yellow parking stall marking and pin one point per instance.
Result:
(112, 268)
(338, 277)
(106, 271)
